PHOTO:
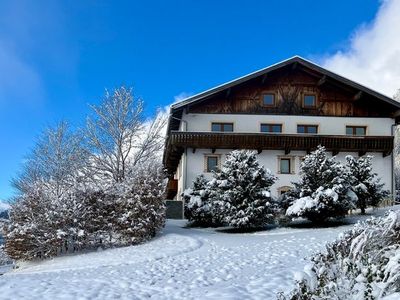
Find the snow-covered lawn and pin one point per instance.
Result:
(179, 264)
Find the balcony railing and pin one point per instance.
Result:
(178, 141)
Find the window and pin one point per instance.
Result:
(284, 165)
(211, 163)
(356, 130)
(222, 127)
(307, 128)
(309, 101)
(276, 128)
(269, 99)
(283, 189)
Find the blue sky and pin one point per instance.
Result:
(58, 56)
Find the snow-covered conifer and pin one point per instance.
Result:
(241, 193)
(323, 191)
(364, 182)
(198, 203)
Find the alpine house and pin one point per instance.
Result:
(283, 112)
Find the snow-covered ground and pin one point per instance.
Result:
(181, 263)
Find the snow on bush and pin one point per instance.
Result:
(198, 204)
(81, 191)
(323, 191)
(238, 195)
(4, 258)
(363, 263)
(140, 207)
(42, 225)
(364, 182)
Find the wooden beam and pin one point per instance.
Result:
(287, 151)
(213, 150)
(322, 81)
(264, 78)
(330, 81)
(396, 113)
(194, 150)
(228, 92)
(358, 96)
(361, 153)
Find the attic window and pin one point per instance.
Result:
(309, 101)
(269, 99)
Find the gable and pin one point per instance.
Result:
(289, 85)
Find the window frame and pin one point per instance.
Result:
(283, 189)
(206, 157)
(306, 126)
(289, 160)
(271, 127)
(222, 124)
(304, 100)
(274, 99)
(354, 129)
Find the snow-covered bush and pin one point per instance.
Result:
(364, 182)
(130, 212)
(364, 263)
(43, 225)
(198, 204)
(104, 188)
(140, 210)
(4, 258)
(323, 191)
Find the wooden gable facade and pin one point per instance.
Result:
(289, 85)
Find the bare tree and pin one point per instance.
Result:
(119, 137)
(55, 162)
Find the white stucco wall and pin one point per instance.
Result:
(193, 164)
(269, 158)
(326, 125)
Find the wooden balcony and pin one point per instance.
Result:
(178, 140)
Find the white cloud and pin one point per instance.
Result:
(177, 98)
(181, 97)
(373, 56)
